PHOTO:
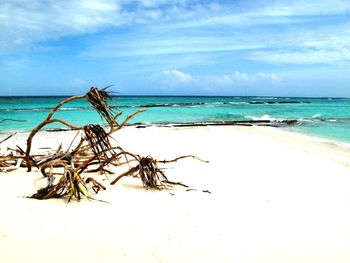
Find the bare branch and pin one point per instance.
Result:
(183, 157)
(8, 137)
(41, 125)
(125, 121)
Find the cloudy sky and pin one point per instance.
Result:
(176, 47)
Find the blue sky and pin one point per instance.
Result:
(175, 47)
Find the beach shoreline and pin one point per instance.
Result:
(280, 129)
(266, 195)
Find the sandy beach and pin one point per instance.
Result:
(266, 195)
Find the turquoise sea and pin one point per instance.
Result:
(327, 118)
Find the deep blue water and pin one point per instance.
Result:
(327, 118)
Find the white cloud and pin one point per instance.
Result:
(267, 76)
(268, 12)
(177, 75)
(25, 22)
(233, 32)
(208, 27)
(236, 79)
(307, 8)
(238, 76)
(340, 56)
(155, 3)
(256, 77)
(172, 77)
(167, 44)
(325, 44)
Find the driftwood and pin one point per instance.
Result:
(94, 153)
(150, 174)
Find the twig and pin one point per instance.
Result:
(125, 121)
(30, 158)
(8, 137)
(182, 157)
(176, 183)
(131, 171)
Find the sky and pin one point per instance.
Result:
(176, 47)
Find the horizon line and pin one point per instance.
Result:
(204, 96)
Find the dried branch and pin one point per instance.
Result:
(96, 185)
(93, 153)
(98, 99)
(8, 137)
(125, 121)
(98, 140)
(70, 184)
(183, 157)
(129, 172)
(151, 175)
(41, 125)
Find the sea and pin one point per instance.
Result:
(323, 118)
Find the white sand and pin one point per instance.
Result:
(276, 197)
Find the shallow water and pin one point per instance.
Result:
(327, 118)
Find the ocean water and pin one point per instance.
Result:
(327, 118)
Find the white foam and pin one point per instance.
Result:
(265, 117)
